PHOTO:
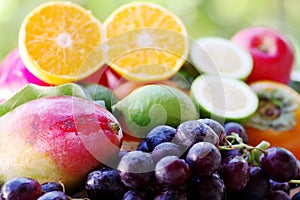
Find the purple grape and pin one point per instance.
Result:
(172, 171)
(233, 152)
(54, 195)
(104, 182)
(215, 126)
(136, 169)
(234, 127)
(193, 131)
(134, 194)
(204, 158)
(284, 186)
(143, 146)
(165, 149)
(171, 194)
(52, 186)
(21, 188)
(296, 196)
(258, 186)
(160, 134)
(278, 195)
(235, 173)
(206, 187)
(279, 164)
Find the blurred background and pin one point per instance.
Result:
(202, 17)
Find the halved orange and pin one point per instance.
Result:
(145, 42)
(56, 39)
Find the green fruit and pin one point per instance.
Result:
(152, 105)
(220, 56)
(100, 93)
(225, 99)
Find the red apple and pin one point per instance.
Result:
(14, 75)
(57, 139)
(272, 53)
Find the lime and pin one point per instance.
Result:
(152, 105)
(220, 56)
(100, 93)
(227, 99)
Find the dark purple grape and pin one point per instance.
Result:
(233, 152)
(165, 149)
(54, 195)
(143, 146)
(206, 187)
(160, 134)
(204, 158)
(234, 127)
(172, 171)
(171, 194)
(193, 131)
(235, 173)
(122, 153)
(136, 169)
(257, 187)
(279, 164)
(52, 186)
(284, 186)
(278, 195)
(104, 182)
(296, 196)
(215, 126)
(134, 194)
(21, 188)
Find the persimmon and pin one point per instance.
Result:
(277, 119)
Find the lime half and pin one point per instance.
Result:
(224, 98)
(219, 56)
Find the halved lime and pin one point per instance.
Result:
(224, 98)
(220, 56)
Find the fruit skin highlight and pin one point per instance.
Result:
(272, 53)
(14, 75)
(57, 139)
(277, 117)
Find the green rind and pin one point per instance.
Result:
(205, 113)
(221, 40)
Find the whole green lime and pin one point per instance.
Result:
(152, 105)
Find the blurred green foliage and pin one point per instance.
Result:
(202, 17)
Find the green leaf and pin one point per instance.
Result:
(31, 92)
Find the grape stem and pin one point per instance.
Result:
(252, 153)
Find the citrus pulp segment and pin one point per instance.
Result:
(219, 56)
(224, 98)
(55, 40)
(145, 42)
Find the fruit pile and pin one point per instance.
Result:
(132, 108)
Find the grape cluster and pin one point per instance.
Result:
(24, 188)
(200, 159)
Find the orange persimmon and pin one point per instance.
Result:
(277, 119)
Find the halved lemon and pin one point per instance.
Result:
(55, 40)
(227, 99)
(146, 42)
(220, 56)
